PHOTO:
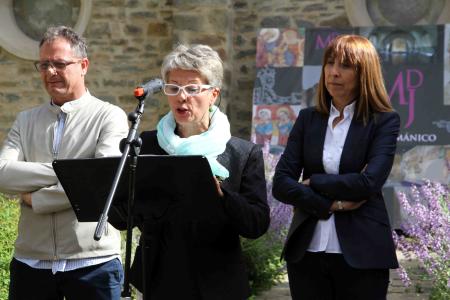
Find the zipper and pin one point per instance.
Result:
(58, 134)
(57, 138)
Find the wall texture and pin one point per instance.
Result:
(128, 39)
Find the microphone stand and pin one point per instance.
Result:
(131, 147)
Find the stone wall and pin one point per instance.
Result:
(128, 39)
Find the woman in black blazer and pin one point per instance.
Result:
(198, 258)
(339, 244)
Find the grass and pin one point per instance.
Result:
(9, 216)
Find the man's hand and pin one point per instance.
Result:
(26, 198)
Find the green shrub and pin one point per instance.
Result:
(9, 216)
(262, 258)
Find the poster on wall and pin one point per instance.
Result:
(416, 69)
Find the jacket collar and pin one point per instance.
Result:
(70, 106)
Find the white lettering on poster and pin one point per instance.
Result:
(417, 137)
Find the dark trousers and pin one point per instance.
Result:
(98, 282)
(325, 276)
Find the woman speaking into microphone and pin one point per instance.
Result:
(202, 260)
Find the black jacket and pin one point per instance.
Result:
(203, 259)
(364, 234)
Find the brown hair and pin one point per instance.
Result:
(358, 52)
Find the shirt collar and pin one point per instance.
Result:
(72, 105)
(349, 110)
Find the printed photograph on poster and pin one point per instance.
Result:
(280, 47)
(404, 45)
(278, 86)
(272, 125)
(430, 162)
(311, 77)
(447, 65)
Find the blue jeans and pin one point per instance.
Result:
(98, 282)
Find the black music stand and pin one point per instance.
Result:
(184, 180)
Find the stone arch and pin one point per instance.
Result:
(358, 13)
(13, 40)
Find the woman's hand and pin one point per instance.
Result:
(339, 205)
(219, 190)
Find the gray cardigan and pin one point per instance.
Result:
(49, 230)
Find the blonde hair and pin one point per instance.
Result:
(357, 51)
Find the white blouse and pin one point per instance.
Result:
(325, 236)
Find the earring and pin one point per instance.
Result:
(210, 108)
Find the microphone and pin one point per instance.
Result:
(151, 87)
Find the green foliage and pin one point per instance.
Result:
(9, 216)
(134, 242)
(262, 257)
(441, 288)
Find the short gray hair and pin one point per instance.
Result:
(77, 42)
(200, 58)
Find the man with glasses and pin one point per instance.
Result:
(55, 256)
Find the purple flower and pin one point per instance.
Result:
(280, 213)
(427, 233)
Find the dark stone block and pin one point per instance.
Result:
(240, 4)
(275, 21)
(314, 8)
(12, 97)
(197, 2)
(133, 30)
(157, 29)
(188, 22)
(246, 53)
(303, 23)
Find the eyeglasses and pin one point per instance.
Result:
(60, 65)
(189, 89)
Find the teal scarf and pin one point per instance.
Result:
(210, 143)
